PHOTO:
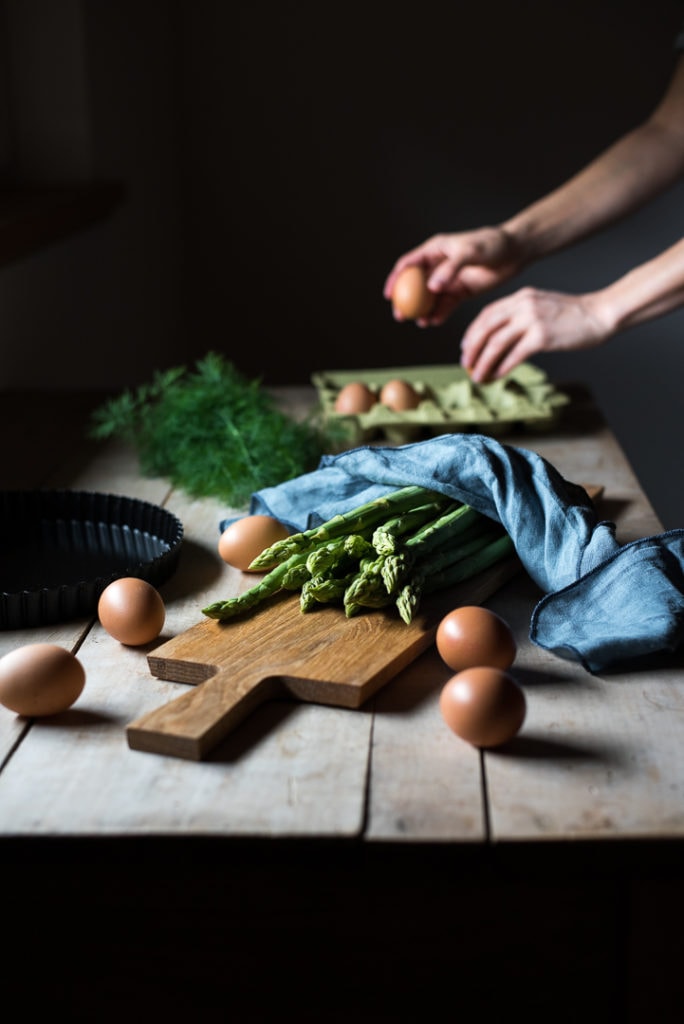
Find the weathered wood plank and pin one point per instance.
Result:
(426, 784)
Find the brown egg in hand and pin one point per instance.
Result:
(245, 538)
(410, 295)
(484, 706)
(132, 611)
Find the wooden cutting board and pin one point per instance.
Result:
(278, 651)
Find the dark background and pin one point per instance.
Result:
(277, 159)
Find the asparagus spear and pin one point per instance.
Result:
(457, 571)
(295, 577)
(336, 551)
(366, 590)
(446, 528)
(323, 590)
(282, 577)
(386, 536)
(355, 521)
(451, 523)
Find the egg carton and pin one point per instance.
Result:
(450, 402)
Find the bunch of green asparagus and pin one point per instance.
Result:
(392, 550)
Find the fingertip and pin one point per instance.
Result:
(471, 366)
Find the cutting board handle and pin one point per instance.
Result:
(192, 724)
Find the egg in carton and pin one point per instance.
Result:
(404, 404)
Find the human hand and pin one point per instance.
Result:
(458, 266)
(510, 330)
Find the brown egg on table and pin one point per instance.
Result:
(410, 294)
(483, 705)
(472, 635)
(399, 395)
(354, 398)
(244, 539)
(132, 611)
(40, 679)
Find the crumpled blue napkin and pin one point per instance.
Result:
(604, 603)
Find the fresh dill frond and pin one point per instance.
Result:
(211, 431)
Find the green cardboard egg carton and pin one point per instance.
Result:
(450, 402)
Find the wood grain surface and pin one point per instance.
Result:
(598, 757)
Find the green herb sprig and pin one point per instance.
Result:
(211, 431)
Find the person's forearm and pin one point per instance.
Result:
(624, 177)
(650, 290)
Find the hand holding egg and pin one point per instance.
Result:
(411, 298)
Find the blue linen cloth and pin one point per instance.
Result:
(603, 603)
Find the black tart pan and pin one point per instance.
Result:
(59, 549)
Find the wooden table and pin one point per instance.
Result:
(321, 844)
